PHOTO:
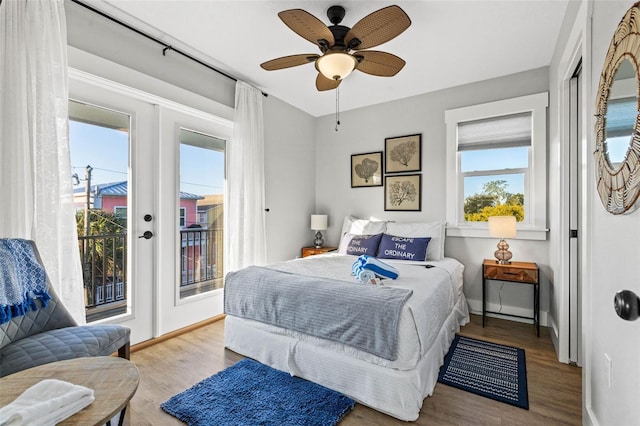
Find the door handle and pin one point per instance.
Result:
(147, 235)
(627, 305)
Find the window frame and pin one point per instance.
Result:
(120, 208)
(534, 226)
(182, 216)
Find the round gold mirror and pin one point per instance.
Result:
(617, 154)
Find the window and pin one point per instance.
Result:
(99, 141)
(202, 175)
(120, 212)
(183, 217)
(496, 165)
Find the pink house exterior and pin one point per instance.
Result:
(112, 198)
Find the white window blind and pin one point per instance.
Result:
(497, 132)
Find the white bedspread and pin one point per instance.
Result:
(435, 292)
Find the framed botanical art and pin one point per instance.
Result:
(403, 154)
(366, 169)
(403, 193)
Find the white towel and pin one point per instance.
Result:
(365, 275)
(46, 403)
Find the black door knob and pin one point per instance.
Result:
(147, 235)
(627, 305)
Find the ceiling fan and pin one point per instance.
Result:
(342, 47)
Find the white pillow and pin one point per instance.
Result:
(355, 226)
(435, 230)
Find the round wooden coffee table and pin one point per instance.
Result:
(114, 382)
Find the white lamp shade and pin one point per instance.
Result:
(336, 66)
(319, 222)
(502, 226)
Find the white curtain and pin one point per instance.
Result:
(246, 240)
(35, 177)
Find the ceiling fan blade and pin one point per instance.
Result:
(307, 26)
(382, 64)
(377, 28)
(323, 83)
(289, 61)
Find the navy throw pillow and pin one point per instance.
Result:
(364, 244)
(405, 248)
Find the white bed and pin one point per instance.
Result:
(428, 323)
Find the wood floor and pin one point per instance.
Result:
(555, 392)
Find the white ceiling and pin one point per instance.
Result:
(449, 43)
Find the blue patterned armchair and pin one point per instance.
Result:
(47, 334)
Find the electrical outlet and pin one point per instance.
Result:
(608, 365)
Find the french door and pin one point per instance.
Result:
(191, 180)
(149, 195)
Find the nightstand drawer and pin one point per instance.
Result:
(507, 273)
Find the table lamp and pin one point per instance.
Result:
(318, 223)
(502, 227)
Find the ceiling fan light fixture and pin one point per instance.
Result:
(336, 66)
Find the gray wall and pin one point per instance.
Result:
(364, 130)
(290, 178)
(92, 33)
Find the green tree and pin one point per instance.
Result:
(494, 200)
(499, 210)
(516, 199)
(497, 189)
(476, 202)
(101, 223)
(103, 253)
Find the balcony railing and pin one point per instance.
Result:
(104, 270)
(201, 265)
(104, 261)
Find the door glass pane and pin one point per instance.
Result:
(201, 212)
(99, 143)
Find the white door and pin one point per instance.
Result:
(111, 140)
(150, 200)
(190, 222)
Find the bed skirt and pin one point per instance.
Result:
(398, 393)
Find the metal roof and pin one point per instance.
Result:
(119, 189)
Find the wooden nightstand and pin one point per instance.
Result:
(515, 272)
(310, 251)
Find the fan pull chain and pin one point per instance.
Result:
(337, 107)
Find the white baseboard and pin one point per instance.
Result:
(588, 417)
(475, 306)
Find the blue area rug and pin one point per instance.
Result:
(249, 393)
(495, 371)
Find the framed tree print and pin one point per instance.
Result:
(403, 154)
(403, 193)
(366, 169)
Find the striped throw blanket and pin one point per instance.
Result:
(361, 316)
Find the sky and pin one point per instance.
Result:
(106, 151)
(494, 159)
